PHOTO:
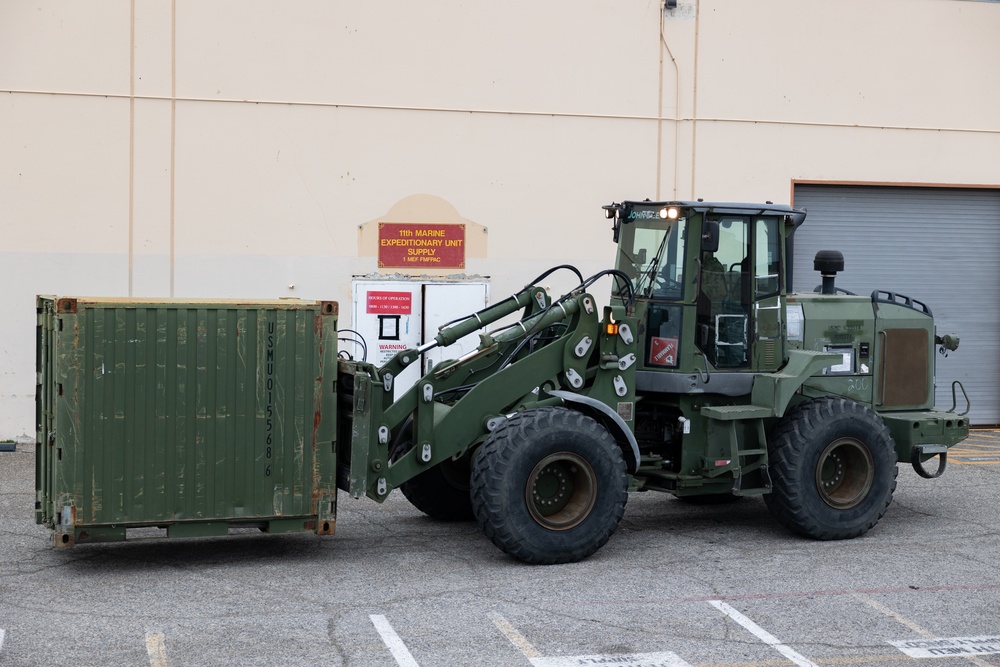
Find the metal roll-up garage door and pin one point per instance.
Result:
(940, 246)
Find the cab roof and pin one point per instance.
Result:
(735, 208)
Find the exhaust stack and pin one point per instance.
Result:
(828, 263)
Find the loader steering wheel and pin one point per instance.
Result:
(667, 287)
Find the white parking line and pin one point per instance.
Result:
(393, 642)
(156, 649)
(3, 634)
(762, 634)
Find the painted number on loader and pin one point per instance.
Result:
(859, 384)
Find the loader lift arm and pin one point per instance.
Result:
(562, 347)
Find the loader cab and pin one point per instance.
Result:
(708, 282)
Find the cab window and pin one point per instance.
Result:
(652, 254)
(767, 258)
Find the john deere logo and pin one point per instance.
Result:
(643, 215)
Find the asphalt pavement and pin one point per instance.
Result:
(677, 585)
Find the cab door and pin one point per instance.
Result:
(723, 304)
(767, 318)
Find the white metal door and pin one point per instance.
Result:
(444, 302)
(390, 316)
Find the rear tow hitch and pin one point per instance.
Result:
(920, 451)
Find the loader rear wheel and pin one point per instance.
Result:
(549, 486)
(833, 469)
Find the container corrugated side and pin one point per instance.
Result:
(192, 417)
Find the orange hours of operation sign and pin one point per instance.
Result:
(428, 246)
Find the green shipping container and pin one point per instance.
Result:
(189, 416)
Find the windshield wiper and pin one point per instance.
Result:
(654, 267)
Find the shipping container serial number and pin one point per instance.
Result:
(269, 390)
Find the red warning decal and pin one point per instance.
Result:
(663, 351)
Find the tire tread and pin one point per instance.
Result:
(494, 462)
(789, 444)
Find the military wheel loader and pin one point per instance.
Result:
(703, 378)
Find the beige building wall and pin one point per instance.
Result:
(219, 149)
(886, 92)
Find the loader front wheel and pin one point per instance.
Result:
(549, 486)
(833, 469)
(442, 492)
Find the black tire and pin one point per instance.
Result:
(549, 486)
(441, 492)
(833, 469)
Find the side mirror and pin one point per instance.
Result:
(796, 218)
(710, 236)
(613, 212)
